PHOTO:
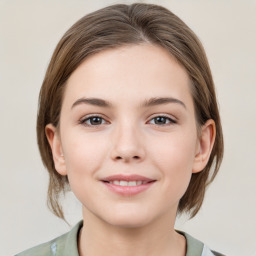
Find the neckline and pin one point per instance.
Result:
(193, 246)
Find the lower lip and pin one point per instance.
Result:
(128, 190)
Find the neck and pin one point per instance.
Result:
(99, 238)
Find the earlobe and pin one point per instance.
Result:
(205, 145)
(57, 153)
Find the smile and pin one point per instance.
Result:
(127, 185)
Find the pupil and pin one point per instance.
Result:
(96, 120)
(160, 120)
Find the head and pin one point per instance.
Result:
(115, 27)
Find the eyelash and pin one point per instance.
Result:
(89, 118)
(168, 118)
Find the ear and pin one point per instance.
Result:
(205, 145)
(57, 153)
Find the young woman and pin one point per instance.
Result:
(128, 120)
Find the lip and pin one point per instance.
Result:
(127, 190)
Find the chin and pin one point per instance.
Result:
(128, 223)
(123, 215)
(128, 219)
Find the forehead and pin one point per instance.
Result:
(129, 73)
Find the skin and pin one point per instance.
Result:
(127, 138)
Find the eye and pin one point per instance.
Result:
(162, 120)
(93, 121)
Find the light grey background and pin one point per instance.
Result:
(29, 31)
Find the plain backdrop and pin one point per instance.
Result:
(29, 32)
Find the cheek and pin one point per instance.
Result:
(176, 149)
(174, 157)
(84, 154)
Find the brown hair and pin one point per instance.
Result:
(112, 27)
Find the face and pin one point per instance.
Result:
(128, 139)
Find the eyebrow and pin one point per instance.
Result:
(147, 103)
(161, 101)
(92, 101)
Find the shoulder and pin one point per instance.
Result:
(197, 248)
(65, 245)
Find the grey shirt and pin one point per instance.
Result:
(66, 245)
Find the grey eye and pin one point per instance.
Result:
(161, 120)
(93, 121)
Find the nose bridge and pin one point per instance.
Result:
(127, 141)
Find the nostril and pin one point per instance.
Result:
(135, 157)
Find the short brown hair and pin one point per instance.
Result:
(116, 26)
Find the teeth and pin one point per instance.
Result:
(123, 183)
(127, 183)
(132, 183)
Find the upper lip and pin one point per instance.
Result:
(133, 177)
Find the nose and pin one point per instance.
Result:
(127, 144)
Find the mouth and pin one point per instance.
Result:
(128, 185)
